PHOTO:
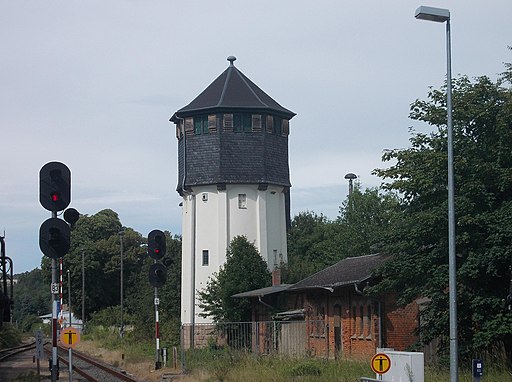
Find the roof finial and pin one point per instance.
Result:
(231, 60)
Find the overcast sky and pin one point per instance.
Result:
(94, 83)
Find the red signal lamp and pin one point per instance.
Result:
(55, 196)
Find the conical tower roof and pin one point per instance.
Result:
(232, 90)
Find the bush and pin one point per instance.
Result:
(9, 336)
(29, 321)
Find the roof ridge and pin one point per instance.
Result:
(358, 257)
(242, 76)
(225, 87)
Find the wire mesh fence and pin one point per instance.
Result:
(290, 338)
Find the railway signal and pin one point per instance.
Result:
(54, 238)
(54, 234)
(157, 275)
(156, 244)
(55, 186)
(71, 215)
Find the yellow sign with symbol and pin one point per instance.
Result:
(380, 363)
(70, 337)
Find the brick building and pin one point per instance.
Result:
(339, 317)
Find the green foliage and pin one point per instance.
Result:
(311, 246)
(233, 278)
(31, 295)
(482, 120)
(9, 336)
(96, 246)
(29, 321)
(365, 220)
(314, 242)
(109, 317)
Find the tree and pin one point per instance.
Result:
(364, 221)
(311, 246)
(31, 295)
(482, 120)
(232, 278)
(314, 242)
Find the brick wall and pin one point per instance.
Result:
(352, 324)
(399, 323)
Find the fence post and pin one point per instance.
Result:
(182, 340)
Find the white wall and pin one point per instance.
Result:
(212, 218)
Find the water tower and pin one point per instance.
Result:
(233, 176)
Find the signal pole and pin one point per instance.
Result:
(54, 234)
(158, 363)
(157, 278)
(55, 302)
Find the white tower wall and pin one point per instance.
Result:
(212, 218)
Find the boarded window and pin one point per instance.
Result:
(369, 326)
(270, 124)
(189, 126)
(256, 123)
(286, 127)
(212, 123)
(228, 122)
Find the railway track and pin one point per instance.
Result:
(91, 369)
(85, 368)
(10, 352)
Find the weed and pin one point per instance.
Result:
(308, 368)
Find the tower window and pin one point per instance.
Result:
(242, 122)
(242, 201)
(206, 257)
(201, 124)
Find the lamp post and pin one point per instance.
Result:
(121, 329)
(443, 16)
(350, 176)
(83, 291)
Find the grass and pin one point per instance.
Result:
(227, 366)
(224, 365)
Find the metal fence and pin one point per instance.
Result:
(290, 338)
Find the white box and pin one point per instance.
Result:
(405, 366)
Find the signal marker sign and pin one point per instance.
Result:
(380, 363)
(70, 337)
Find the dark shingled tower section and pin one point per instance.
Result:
(224, 156)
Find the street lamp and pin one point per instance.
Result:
(443, 15)
(350, 176)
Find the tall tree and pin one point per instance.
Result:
(243, 271)
(97, 238)
(364, 221)
(482, 120)
(315, 242)
(311, 246)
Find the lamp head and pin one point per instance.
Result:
(439, 15)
